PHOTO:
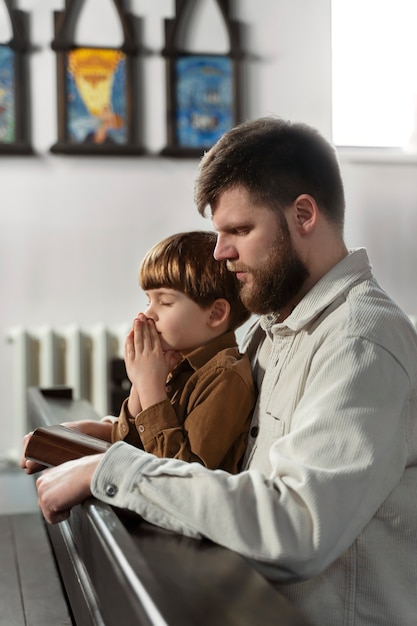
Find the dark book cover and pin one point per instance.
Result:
(53, 445)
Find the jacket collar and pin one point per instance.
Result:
(355, 267)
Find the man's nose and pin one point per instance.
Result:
(223, 250)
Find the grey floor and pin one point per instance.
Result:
(17, 490)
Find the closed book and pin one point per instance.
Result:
(53, 445)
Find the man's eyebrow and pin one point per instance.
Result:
(234, 226)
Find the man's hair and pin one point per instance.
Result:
(185, 262)
(275, 161)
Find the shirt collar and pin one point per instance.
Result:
(198, 357)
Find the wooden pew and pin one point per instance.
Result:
(118, 569)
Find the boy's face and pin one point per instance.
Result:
(182, 324)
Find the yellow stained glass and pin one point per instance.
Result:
(93, 72)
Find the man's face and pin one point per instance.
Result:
(257, 246)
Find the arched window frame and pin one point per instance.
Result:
(17, 90)
(64, 44)
(175, 54)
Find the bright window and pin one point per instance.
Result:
(374, 73)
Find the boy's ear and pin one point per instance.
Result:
(219, 312)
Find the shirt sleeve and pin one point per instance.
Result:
(216, 423)
(124, 428)
(345, 452)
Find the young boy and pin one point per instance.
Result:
(192, 392)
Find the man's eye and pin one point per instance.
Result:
(239, 230)
(163, 303)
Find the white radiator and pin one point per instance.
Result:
(78, 357)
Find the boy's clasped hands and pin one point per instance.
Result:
(147, 364)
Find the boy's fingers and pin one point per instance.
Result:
(153, 333)
(129, 348)
(140, 334)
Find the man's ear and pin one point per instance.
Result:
(306, 213)
(219, 312)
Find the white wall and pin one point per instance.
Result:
(382, 216)
(73, 230)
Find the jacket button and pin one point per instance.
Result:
(141, 428)
(254, 431)
(111, 490)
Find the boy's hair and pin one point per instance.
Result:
(275, 161)
(185, 262)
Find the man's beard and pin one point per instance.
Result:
(277, 282)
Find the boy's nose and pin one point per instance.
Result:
(148, 312)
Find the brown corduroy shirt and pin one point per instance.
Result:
(207, 415)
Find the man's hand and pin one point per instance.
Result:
(62, 487)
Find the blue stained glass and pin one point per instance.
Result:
(204, 99)
(7, 95)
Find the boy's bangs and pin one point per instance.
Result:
(160, 271)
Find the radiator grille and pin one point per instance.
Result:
(82, 358)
